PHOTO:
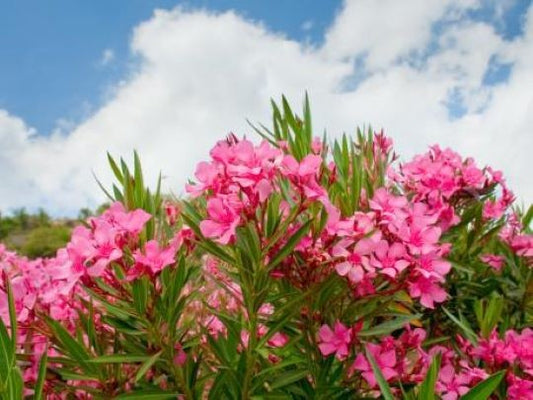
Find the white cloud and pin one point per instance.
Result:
(386, 30)
(202, 74)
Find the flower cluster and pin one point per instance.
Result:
(404, 359)
(54, 286)
(393, 236)
(236, 181)
(295, 268)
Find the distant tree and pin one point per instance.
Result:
(44, 241)
(42, 218)
(7, 225)
(21, 218)
(84, 213)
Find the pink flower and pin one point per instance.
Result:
(223, 221)
(493, 260)
(389, 206)
(215, 326)
(418, 236)
(304, 175)
(385, 359)
(239, 169)
(389, 260)
(93, 251)
(130, 222)
(171, 212)
(25, 298)
(493, 209)
(316, 145)
(428, 292)
(308, 167)
(278, 339)
(523, 245)
(452, 385)
(335, 341)
(180, 357)
(352, 268)
(519, 389)
(206, 173)
(152, 261)
(381, 145)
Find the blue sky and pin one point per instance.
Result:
(51, 51)
(78, 79)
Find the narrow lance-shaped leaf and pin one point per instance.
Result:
(427, 388)
(484, 389)
(290, 245)
(147, 365)
(383, 385)
(39, 384)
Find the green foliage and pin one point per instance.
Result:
(484, 389)
(289, 128)
(154, 347)
(45, 241)
(144, 315)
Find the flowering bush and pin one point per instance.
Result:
(296, 268)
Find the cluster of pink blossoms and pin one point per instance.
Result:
(92, 249)
(237, 180)
(443, 180)
(404, 359)
(40, 287)
(52, 286)
(396, 239)
(392, 244)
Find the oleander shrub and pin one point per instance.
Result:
(296, 267)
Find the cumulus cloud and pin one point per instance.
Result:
(201, 74)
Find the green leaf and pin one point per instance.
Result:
(427, 388)
(248, 241)
(115, 168)
(389, 326)
(308, 130)
(147, 365)
(291, 244)
(484, 389)
(150, 394)
(108, 195)
(289, 378)
(468, 332)
(71, 347)
(15, 385)
(38, 391)
(12, 315)
(140, 294)
(528, 217)
(138, 181)
(119, 358)
(7, 354)
(383, 385)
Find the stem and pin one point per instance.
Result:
(250, 354)
(178, 372)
